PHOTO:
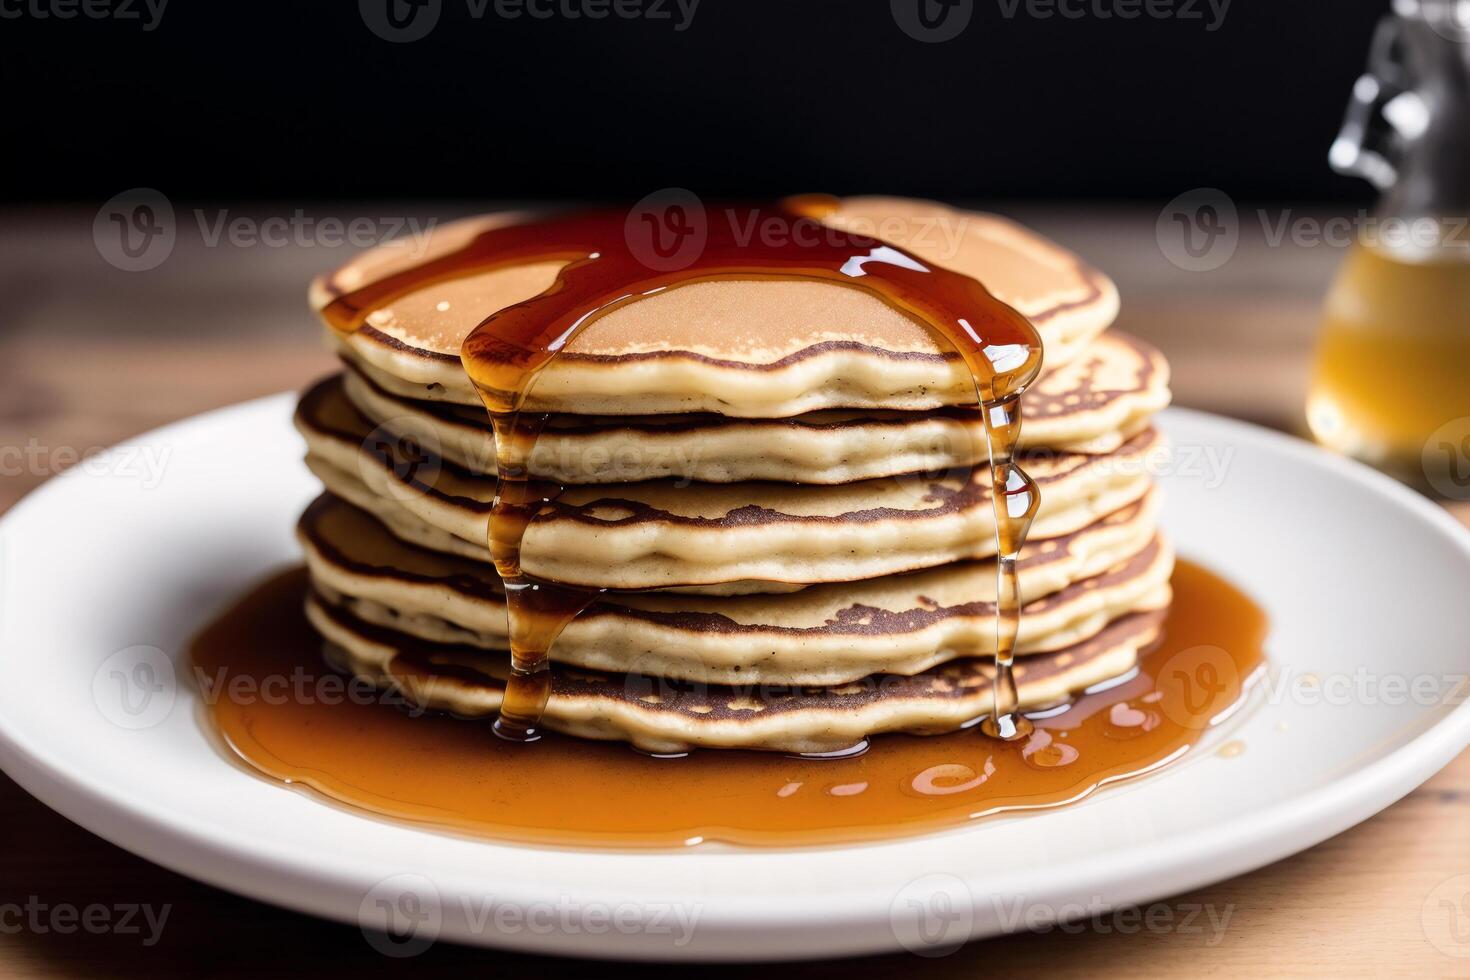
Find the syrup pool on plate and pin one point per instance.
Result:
(348, 743)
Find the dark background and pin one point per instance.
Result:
(265, 100)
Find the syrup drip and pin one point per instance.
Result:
(538, 611)
(346, 742)
(1015, 500)
(506, 352)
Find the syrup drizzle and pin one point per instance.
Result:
(505, 353)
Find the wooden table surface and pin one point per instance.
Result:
(90, 355)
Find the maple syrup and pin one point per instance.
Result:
(603, 271)
(1393, 359)
(360, 748)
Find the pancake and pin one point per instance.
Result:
(738, 536)
(747, 348)
(1091, 405)
(1070, 587)
(661, 715)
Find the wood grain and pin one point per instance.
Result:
(91, 355)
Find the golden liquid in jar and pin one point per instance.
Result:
(1393, 359)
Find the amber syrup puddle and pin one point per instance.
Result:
(344, 741)
(603, 271)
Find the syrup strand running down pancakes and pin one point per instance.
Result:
(1016, 500)
(603, 271)
(537, 611)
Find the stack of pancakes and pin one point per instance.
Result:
(782, 484)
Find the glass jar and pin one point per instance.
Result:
(1391, 384)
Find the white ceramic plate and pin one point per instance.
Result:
(1365, 582)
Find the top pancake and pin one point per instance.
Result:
(750, 348)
